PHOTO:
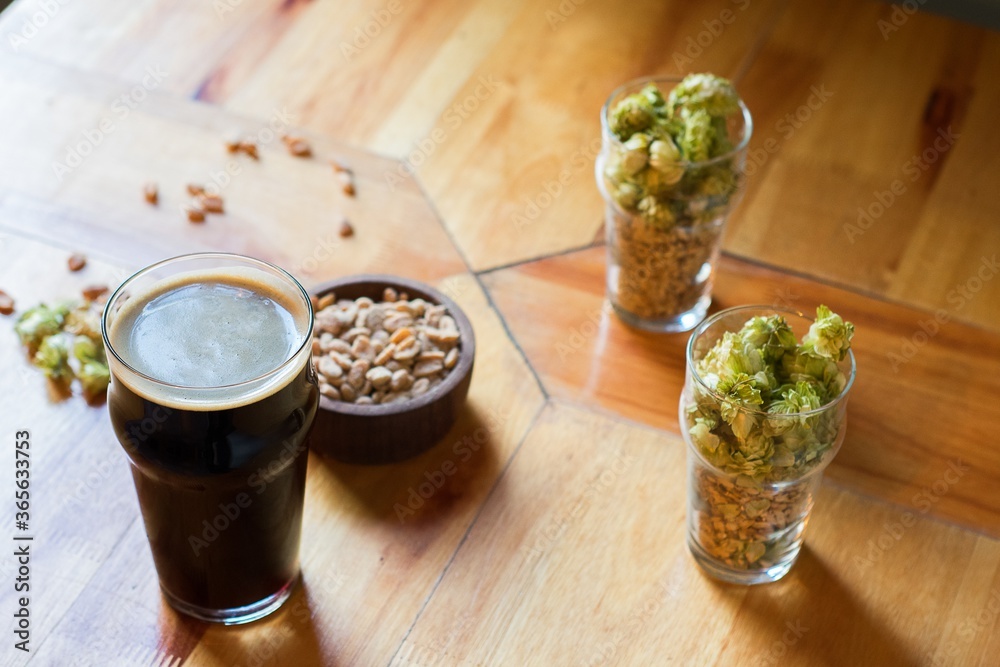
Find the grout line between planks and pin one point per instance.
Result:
(475, 519)
(539, 258)
(853, 289)
(489, 297)
(854, 491)
(513, 340)
(744, 67)
(905, 507)
(776, 268)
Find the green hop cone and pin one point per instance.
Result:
(39, 322)
(712, 94)
(52, 357)
(633, 114)
(696, 142)
(635, 154)
(666, 159)
(771, 335)
(829, 336)
(626, 194)
(94, 378)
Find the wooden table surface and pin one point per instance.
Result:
(472, 128)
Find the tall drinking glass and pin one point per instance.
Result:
(212, 397)
(750, 495)
(665, 219)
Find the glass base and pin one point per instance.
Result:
(731, 575)
(679, 323)
(234, 615)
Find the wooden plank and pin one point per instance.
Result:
(187, 38)
(461, 91)
(404, 84)
(119, 618)
(583, 534)
(366, 528)
(847, 183)
(82, 501)
(355, 524)
(958, 231)
(576, 578)
(342, 66)
(281, 208)
(538, 125)
(910, 416)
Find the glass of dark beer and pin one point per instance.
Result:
(212, 397)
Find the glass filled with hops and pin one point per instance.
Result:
(671, 168)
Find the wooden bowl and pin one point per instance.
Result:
(376, 434)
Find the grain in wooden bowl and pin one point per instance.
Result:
(404, 422)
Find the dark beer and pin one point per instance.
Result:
(212, 397)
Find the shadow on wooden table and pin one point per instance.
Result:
(812, 615)
(434, 485)
(287, 637)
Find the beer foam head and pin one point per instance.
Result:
(211, 337)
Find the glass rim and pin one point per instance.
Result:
(674, 80)
(282, 273)
(700, 329)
